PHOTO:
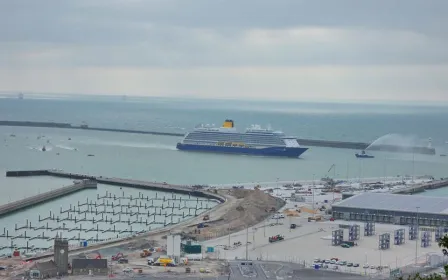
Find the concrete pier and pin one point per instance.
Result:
(164, 187)
(304, 142)
(11, 207)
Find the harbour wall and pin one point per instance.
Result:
(304, 142)
(423, 187)
(165, 187)
(22, 204)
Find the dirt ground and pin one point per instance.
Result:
(243, 208)
(249, 208)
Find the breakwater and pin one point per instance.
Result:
(22, 204)
(422, 187)
(84, 127)
(304, 142)
(164, 187)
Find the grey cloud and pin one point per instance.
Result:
(170, 33)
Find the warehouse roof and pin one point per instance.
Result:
(396, 202)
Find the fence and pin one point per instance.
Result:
(221, 255)
(424, 264)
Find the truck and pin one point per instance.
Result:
(164, 261)
(317, 218)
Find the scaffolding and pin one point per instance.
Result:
(440, 232)
(369, 229)
(413, 232)
(353, 232)
(399, 236)
(337, 237)
(384, 241)
(426, 239)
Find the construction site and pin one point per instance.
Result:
(169, 234)
(145, 250)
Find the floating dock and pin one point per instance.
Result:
(11, 207)
(304, 142)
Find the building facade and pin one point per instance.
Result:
(43, 270)
(394, 209)
(95, 267)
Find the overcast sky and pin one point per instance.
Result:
(252, 49)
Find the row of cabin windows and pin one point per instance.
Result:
(209, 143)
(89, 269)
(270, 140)
(231, 135)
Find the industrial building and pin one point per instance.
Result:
(394, 209)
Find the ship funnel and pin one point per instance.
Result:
(228, 124)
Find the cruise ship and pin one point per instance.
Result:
(254, 141)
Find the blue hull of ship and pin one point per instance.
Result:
(270, 151)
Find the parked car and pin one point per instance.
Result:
(356, 265)
(366, 265)
(127, 270)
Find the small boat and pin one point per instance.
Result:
(442, 155)
(363, 155)
(44, 149)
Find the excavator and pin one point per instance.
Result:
(117, 256)
(98, 256)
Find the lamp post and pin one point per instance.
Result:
(413, 165)
(254, 230)
(380, 259)
(416, 239)
(247, 243)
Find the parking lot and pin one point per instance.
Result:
(281, 270)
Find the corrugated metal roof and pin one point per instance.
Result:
(45, 266)
(396, 202)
